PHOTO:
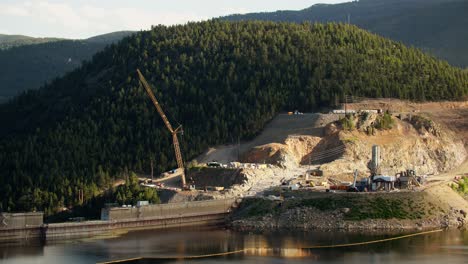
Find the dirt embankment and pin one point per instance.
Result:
(276, 131)
(291, 153)
(436, 207)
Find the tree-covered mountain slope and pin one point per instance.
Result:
(10, 41)
(35, 61)
(221, 80)
(110, 37)
(437, 26)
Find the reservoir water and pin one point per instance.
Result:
(445, 247)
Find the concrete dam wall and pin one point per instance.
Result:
(170, 210)
(146, 217)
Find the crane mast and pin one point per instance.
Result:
(174, 132)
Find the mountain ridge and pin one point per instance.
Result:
(436, 26)
(42, 62)
(12, 40)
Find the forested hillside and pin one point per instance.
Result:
(110, 37)
(29, 66)
(10, 41)
(437, 26)
(221, 80)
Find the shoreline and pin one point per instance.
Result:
(437, 207)
(271, 223)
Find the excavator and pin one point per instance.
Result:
(175, 141)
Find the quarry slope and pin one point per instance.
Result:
(422, 138)
(294, 140)
(277, 131)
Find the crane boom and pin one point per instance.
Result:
(175, 140)
(155, 101)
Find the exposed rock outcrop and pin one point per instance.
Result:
(415, 142)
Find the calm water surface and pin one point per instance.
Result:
(445, 247)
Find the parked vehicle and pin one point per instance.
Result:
(214, 164)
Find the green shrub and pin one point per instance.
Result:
(462, 187)
(348, 122)
(384, 122)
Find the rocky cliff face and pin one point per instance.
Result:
(410, 142)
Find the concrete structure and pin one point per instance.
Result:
(15, 226)
(20, 220)
(30, 226)
(167, 210)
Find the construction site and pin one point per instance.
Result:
(384, 147)
(370, 164)
(366, 147)
(316, 152)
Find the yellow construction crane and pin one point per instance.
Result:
(174, 132)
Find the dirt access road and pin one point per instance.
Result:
(450, 175)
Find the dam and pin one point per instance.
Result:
(30, 226)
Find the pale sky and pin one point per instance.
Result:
(86, 18)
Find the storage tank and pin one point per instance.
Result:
(375, 156)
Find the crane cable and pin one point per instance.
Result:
(303, 248)
(374, 241)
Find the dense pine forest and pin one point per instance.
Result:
(437, 26)
(221, 80)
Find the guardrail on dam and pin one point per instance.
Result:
(117, 218)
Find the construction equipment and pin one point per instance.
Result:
(355, 177)
(353, 187)
(174, 132)
(408, 179)
(344, 186)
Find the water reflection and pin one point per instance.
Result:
(447, 247)
(10, 251)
